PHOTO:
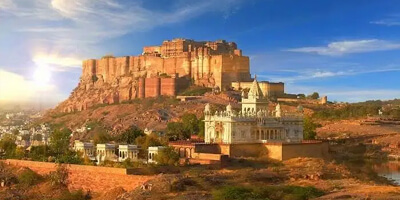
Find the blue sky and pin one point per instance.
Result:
(348, 50)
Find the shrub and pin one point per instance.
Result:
(70, 157)
(60, 176)
(232, 193)
(28, 177)
(181, 184)
(39, 153)
(127, 163)
(76, 195)
(267, 192)
(195, 91)
(167, 156)
(310, 128)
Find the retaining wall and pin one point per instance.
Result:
(93, 178)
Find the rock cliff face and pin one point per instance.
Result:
(160, 70)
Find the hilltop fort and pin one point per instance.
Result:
(159, 70)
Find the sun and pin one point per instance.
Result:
(42, 75)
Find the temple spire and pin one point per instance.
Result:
(255, 90)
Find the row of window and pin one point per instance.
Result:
(267, 134)
(124, 154)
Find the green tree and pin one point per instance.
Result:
(7, 144)
(310, 127)
(39, 153)
(149, 140)
(190, 123)
(301, 96)
(314, 95)
(129, 136)
(70, 157)
(177, 131)
(201, 124)
(59, 141)
(19, 153)
(101, 136)
(167, 156)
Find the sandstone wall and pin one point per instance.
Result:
(152, 87)
(278, 151)
(268, 88)
(168, 86)
(317, 150)
(115, 79)
(93, 178)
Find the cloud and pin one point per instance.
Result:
(310, 74)
(349, 47)
(6, 4)
(387, 22)
(16, 88)
(392, 20)
(75, 27)
(58, 60)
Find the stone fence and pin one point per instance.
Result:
(88, 178)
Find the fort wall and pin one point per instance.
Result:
(270, 89)
(115, 79)
(93, 178)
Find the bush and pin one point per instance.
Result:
(39, 153)
(195, 91)
(70, 157)
(267, 192)
(127, 163)
(60, 176)
(76, 195)
(310, 127)
(28, 177)
(167, 156)
(350, 111)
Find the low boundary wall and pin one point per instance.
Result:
(93, 178)
(278, 150)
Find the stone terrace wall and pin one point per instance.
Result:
(95, 179)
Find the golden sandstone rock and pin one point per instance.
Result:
(160, 70)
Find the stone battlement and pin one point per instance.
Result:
(207, 63)
(159, 70)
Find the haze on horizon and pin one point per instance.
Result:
(348, 51)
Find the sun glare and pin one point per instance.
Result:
(42, 75)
